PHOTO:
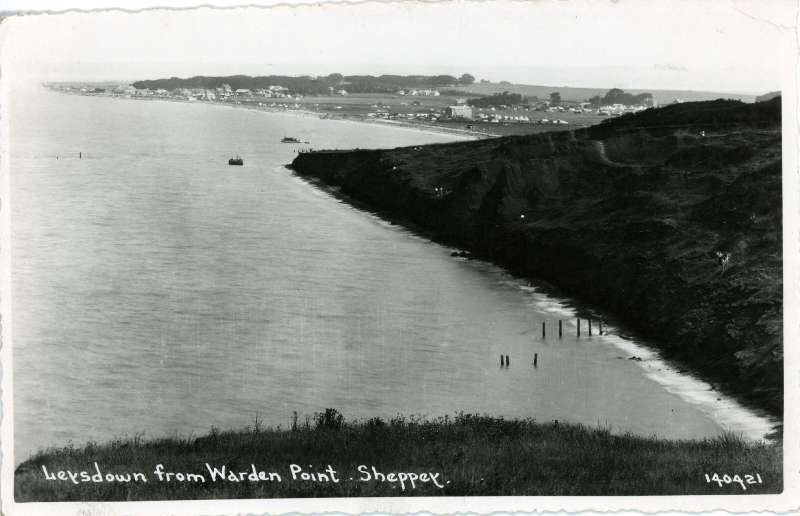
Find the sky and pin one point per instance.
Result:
(719, 45)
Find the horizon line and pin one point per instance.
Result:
(574, 87)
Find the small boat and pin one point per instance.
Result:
(290, 139)
(236, 161)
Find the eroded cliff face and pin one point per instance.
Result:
(630, 216)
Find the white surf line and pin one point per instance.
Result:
(719, 407)
(723, 409)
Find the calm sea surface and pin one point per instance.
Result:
(157, 290)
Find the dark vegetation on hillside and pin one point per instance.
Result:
(634, 216)
(473, 455)
(498, 99)
(711, 115)
(617, 96)
(308, 85)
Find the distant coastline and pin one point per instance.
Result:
(442, 110)
(398, 124)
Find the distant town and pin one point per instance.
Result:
(445, 103)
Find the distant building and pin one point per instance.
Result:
(462, 111)
(424, 93)
(223, 93)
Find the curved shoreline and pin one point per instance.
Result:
(719, 406)
(722, 408)
(461, 134)
(641, 245)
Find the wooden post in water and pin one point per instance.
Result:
(559, 328)
(579, 326)
(502, 361)
(600, 331)
(543, 329)
(507, 362)
(535, 359)
(590, 326)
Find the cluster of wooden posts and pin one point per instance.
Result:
(504, 361)
(577, 327)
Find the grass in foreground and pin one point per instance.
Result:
(472, 455)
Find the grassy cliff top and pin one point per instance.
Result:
(467, 456)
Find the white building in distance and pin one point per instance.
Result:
(461, 111)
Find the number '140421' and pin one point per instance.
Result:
(743, 480)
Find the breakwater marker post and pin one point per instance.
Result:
(559, 328)
(535, 360)
(507, 361)
(589, 321)
(543, 334)
(579, 326)
(600, 330)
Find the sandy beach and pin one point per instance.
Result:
(466, 134)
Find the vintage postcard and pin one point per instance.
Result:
(400, 257)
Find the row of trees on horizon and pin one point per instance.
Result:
(308, 85)
(323, 85)
(613, 96)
